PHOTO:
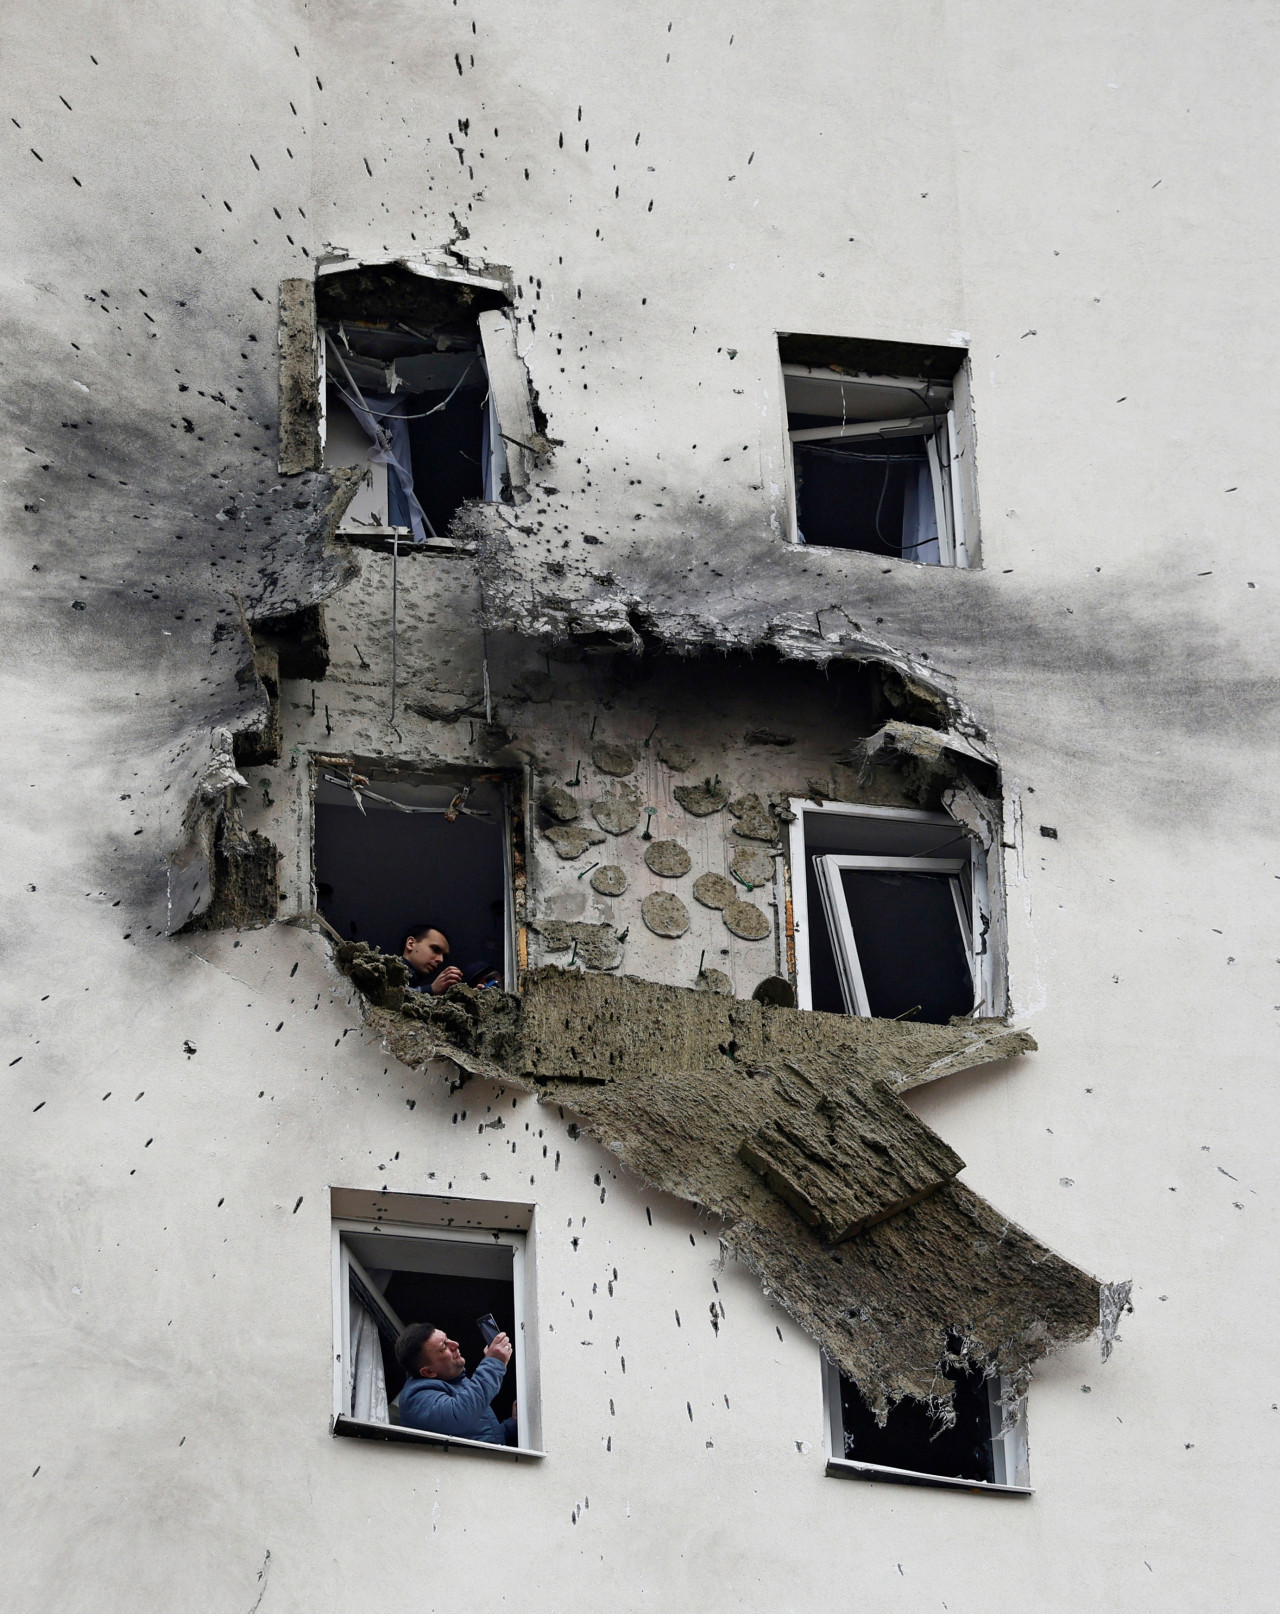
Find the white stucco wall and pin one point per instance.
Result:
(1086, 196)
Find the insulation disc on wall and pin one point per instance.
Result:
(746, 920)
(665, 914)
(668, 858)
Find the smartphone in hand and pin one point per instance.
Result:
(488, 1326)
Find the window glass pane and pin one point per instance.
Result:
(912, 1439)
(909, 944)
(852, 494)
(824, 976)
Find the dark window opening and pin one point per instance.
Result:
(891, 935)
(915, 1440)
(915, 962)
(407, 398)
(448, 448)
(878, 447)
(414, 849)
(870, 494)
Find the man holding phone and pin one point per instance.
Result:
(440, 1396)
(426, 952)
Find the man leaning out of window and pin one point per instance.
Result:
(440, 1396)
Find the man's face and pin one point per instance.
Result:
(427, 952)
(441, 1358)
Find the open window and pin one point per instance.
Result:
(400, 1259)
(881, 448)
(985, 1447)
(423, 389)
(396, 849)
(891, 913)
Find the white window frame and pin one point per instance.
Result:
(1009, 1446)
(978, 906)
(951, 496)
(836, 908)
(445, 1215)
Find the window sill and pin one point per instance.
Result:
(886, 561)
(383, 539)
(394, 1434)
(842, 1468)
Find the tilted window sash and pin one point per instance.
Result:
(849, 963)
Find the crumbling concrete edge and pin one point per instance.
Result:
(1001, 1041)
(212, 796)
(625, 621)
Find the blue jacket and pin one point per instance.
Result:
(459, 1406)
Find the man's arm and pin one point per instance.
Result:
(455, 1413)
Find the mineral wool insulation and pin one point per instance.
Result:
(786, 1125)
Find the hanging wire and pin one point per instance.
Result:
(389, 414)
(884, 488)
(395, 614)
(857, 454)
(359, 790)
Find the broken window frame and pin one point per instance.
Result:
(972, 872)
(1009, 1445)
(514, 789)
(948, 438)
(507, 454)
(440, 1219)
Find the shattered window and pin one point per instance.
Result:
(410, 396)
(400, 1286)
(406, 850)
(885, 904)
(970, 1440)
(880, 451)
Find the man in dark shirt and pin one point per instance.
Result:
(426, 952)
(439, 1396)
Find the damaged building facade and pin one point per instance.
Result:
(697, 510)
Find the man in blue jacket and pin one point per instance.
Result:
(439, 1396)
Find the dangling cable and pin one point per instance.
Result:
(395, 612)
(884, 488)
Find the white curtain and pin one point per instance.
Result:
(388, 435)
(380, 417)
(368, 1382)
(920, 519)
